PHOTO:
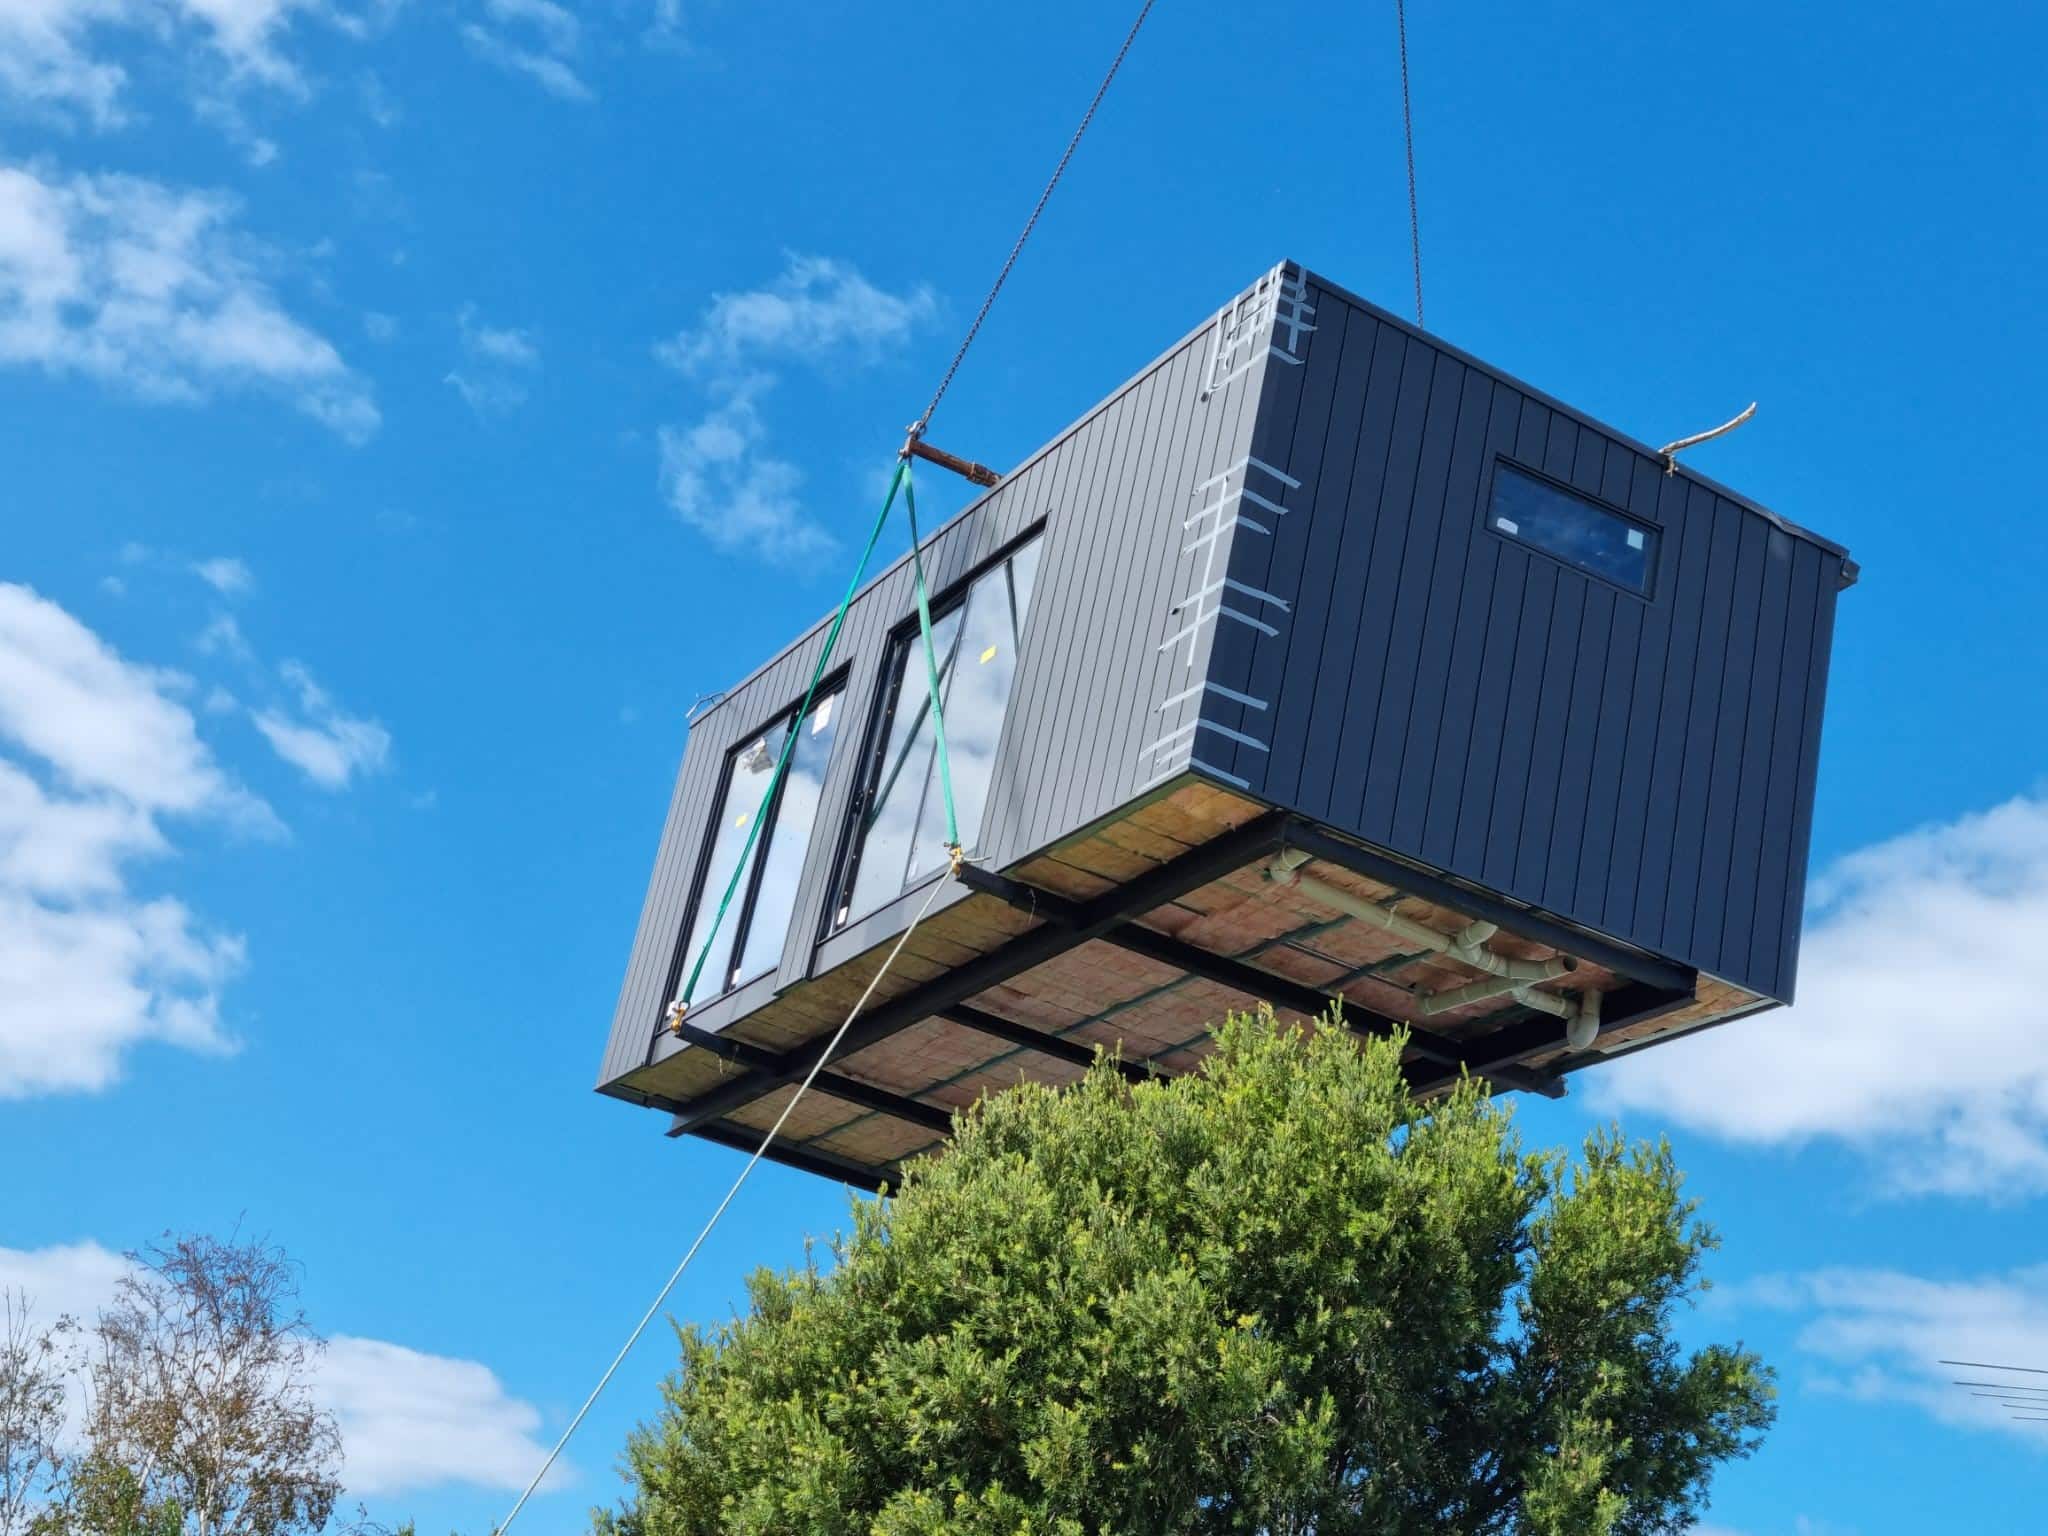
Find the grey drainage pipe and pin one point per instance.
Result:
(1467, 947)
(1581, 1015)
(1480, 991)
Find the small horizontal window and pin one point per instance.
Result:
(1571, 528)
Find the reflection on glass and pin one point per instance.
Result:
(1575, 530)
(903, 834)
(760, 924)
(789, 836)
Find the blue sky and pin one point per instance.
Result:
(384, 471)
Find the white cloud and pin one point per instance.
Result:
(743, 500)
(325, 743)
(103, 723)
(51, 53)
(666, 30)
(497, 367)
(151, 289)
(1881, 1335)
(557, 27)
(716, 471)
(818, 310)
(1920, 1037)
(64, 1280)
(535, 38)
(55, 846)
(88, 969)
(226, 574)
(81, 984)
(513, 348)
(223, 637)
(378, 103)
(409, 1420)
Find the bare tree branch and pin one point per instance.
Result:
(34, 1365)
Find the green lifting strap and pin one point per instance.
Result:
(931, 668)
(899, 481)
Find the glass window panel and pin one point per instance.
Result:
(976, 696)
(1577, 531)
(788, 838)
(976, 642)
(903, 773)
(746, 781)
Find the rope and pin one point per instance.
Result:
(761, 1151)
(739, 868)
(931, 664)
(900, 480)
(1408, 132)
(1031, 223)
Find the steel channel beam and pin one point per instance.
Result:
(1647, 969)
(1192, 870)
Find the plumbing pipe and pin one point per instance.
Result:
(1286, 869)
(1581, 1016)
(1434, 1003)
(1546, 1002)
(1583, 1028)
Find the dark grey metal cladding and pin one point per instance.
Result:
(858, 657)
(1265, 561)
(1114, 494)
(1641, 767)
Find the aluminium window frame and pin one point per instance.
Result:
(882, 716)
(833, 685)
(1655, 532)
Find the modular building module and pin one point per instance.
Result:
(1319, 662)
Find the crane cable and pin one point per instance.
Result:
(681, 1003)
(1408, 134)
(901, 480)
(902, 477)
(759, 1152)
(917, 430)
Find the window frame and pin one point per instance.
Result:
(1653, 532)
(882, 717)
(745, 898)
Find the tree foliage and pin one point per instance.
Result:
(198, 1409)
(1279, 1295)
(34, 1366)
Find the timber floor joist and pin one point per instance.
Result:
(1133, 938)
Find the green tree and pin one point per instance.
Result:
(1279, 1295)
(200, 1417)
(100, 1498)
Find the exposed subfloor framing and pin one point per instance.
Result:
(1134, 937)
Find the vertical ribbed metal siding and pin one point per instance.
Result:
(1645, 769)
(1111, 493)
(860, 654)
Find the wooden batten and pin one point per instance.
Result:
(1100, 995)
